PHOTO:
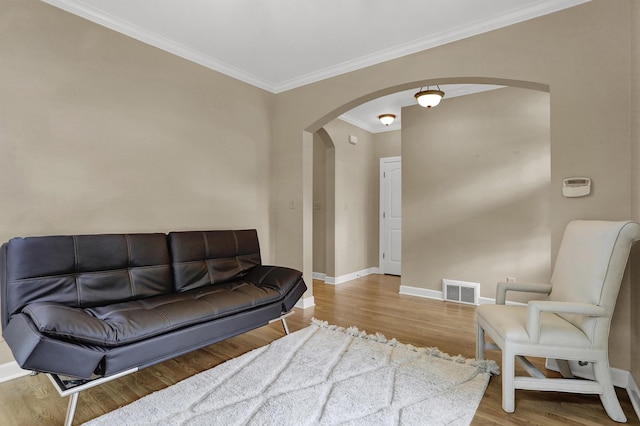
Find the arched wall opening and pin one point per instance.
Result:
(519, 147)
(317, 124)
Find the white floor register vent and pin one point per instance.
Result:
(460, 291)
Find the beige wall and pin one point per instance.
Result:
(475, 190)
(388, 144)
(585, 47)
(101, 133)
(356, 199)
(634, 298)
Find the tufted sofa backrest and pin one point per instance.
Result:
(83, 270)
(203, 258)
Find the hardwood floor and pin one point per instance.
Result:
(371, 303)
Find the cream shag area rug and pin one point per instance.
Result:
(321, 375)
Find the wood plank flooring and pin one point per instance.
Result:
(371, 303)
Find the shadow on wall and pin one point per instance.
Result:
(476, 181)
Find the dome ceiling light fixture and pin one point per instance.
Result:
(387, 119)
(430, 97)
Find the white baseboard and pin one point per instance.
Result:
(439, 295)
(10, 371)
(344, 278)
(306, 302)
(319, 276)
(421, 292)
(486, 301)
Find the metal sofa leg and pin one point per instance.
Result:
(282, 318)
(71, 409)
(73, 387)
(284, 325)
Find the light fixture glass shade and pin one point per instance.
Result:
(429, 98)
(387, 119)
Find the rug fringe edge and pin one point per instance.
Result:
(484, 365)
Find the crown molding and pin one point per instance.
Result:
(109, 21)
(459, 33)
(99, 17)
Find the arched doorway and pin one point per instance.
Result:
(541, 242)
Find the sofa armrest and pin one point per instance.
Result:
(277, 278)
(536, 307)
(501, 290)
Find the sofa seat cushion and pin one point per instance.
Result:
(127, 322)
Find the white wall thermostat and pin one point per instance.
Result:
(576, 187)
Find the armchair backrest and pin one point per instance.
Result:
(589, 269)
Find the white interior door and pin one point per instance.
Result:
(390, 215)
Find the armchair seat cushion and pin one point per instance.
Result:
(509, 322)
(132, 321)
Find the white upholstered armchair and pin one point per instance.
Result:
(572, 320)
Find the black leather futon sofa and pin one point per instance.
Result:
(94, 306)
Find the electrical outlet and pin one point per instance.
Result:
(511, 279)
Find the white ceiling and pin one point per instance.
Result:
(279, 45)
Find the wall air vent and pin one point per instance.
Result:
(460, 291)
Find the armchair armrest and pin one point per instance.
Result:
(536, 307)
(501, 290)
